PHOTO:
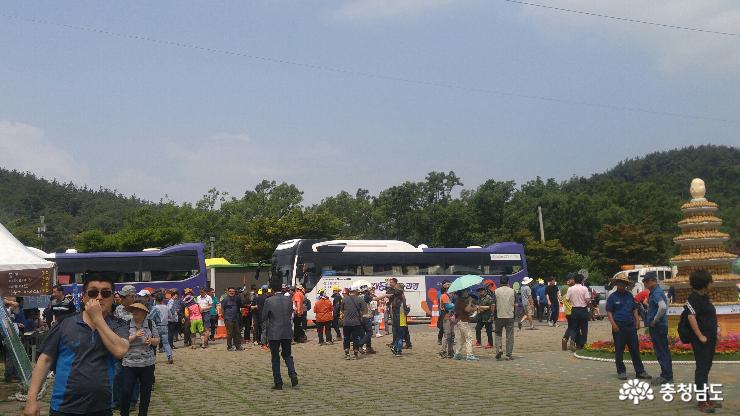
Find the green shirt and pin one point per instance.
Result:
(485, 300)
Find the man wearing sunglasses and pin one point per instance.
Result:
(81, 348)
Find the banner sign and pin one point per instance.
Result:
(34, 282)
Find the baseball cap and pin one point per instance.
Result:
(127, 290)
(650, 276)
(143, 292)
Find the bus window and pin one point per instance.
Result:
(462, 269)
(383, 270)
(411, 270)
(308, 277)
(430, 269)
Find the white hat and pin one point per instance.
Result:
(143, 292)
(527, 280)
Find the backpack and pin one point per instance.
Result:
(685, 333)
(307, 303)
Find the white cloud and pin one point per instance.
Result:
(671, 49)
(383, 9)
(24, 147)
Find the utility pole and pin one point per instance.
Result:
(213, 247)
(542, 226)
(40, 231)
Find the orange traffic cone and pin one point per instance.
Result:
(221, 328)
(561, 316)
(435, 315)
(381, 311)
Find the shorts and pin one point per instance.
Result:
(196, 326)
(206, 320)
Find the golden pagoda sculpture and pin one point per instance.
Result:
(702, 246)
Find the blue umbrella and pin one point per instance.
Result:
(464, 282)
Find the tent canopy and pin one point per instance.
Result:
(15, 256)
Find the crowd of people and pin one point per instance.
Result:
(120, 333)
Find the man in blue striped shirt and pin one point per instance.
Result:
(83, 349)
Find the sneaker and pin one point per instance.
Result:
(277, 387)
(378, 335)
(706, 407)
(371, 351)
(231, 349)
(396, 353)
(572, 346)
(407, 347)
(240, 348)
(488, 347)
(347, 356)
(564, 344)
(293, 380)
(322, 343)
(660, 381)
(363, 350)
(644, 376)
(443, 355)
(622, 376)
(471, 357)
(498, 355)
(170, 361)
(477, 345)
(509, 358)
(519, 324)
(457, 356)
(356, 356)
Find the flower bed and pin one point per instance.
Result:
(729, 345)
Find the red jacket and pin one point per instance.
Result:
(324, 310)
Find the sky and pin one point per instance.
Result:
(172, 98)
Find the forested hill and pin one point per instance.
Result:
(625, 215)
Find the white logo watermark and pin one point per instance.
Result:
(637, 391)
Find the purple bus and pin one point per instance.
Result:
(180, 266)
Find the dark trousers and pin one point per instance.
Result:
(145, 377)
(275, 347)
(440, 328)
(367, 332)
(627, 336)
(579, 332)
(704, 356)
(247, 326)
(569, 331)
(352, 333)
(233, 333)
(489, 331)
(324, 328)
(118, 383)
(659, 336)
(214, 325)
(186, 336)
(299, 335)
(541, 311)
(335, 325)
(172, 330)
(554, 312)
(257, 327)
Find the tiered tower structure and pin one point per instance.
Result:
(702, 246)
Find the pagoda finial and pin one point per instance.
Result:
(698, 190)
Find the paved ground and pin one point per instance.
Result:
(540, 379)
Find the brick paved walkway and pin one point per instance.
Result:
(540, 379)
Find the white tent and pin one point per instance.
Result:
(22, 273)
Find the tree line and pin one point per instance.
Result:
(626, 215)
